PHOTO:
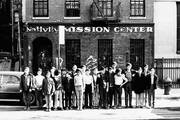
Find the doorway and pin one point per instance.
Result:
(137, 48)
(42, 54)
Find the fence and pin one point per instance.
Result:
(168, 68)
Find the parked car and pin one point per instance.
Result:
(10, 87)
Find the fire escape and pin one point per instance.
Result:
(99, 15)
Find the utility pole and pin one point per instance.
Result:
(12, 26)
(19, 43)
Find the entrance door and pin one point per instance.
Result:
(73, 53)
(137, 53)
(42, 54)
(104, 53)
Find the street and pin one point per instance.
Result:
(166, 107)
(17, 113)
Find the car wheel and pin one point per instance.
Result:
(32, 98)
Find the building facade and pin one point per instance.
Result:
(167, 39)
(108, 30)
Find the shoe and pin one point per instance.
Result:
(48, 110)
(126, 106)
(130, 106)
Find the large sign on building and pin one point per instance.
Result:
(117, 29)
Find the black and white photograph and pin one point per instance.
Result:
(89, 59)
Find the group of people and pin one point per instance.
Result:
(84, 88)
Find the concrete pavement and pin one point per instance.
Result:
(166, 107)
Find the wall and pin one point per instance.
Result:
(56, 12)
(165, 29)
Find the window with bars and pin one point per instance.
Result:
(105, 53)
(72, 8)
(40, 8)
(106, 7)
(137, 8)
(178, 27)
(73, 53)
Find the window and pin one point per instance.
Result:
(72, 8)
(73, 53)
(106, 7)
(105, 52)
(137, 52)
(178, 27)
(137, 8)
(40, 8)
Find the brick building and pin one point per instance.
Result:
(108, 30)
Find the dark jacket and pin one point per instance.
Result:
(102, 81)
(110, 78)
(149, 81)
(48, 86)
(138, 83)
(58, 82)
(67, 83)
(24, 86)
(145, 80)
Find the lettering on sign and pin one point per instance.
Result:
(42, 29)
(117, 29)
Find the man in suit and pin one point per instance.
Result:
(26, 86)
(151, 86)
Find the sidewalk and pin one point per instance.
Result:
(161, 100)
(171, 100)
(174, 94)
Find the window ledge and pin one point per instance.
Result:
(40, 18)
(137, 18)
(72, 18)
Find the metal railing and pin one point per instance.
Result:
(168, 68)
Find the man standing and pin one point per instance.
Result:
(26, 86)
(152, 85)
(128, 86)
(38, 87)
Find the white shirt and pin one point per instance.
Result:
(119, 79)
(94, 78)
(78, 80)
(152, 79)
(39, 80)
(88, 79)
